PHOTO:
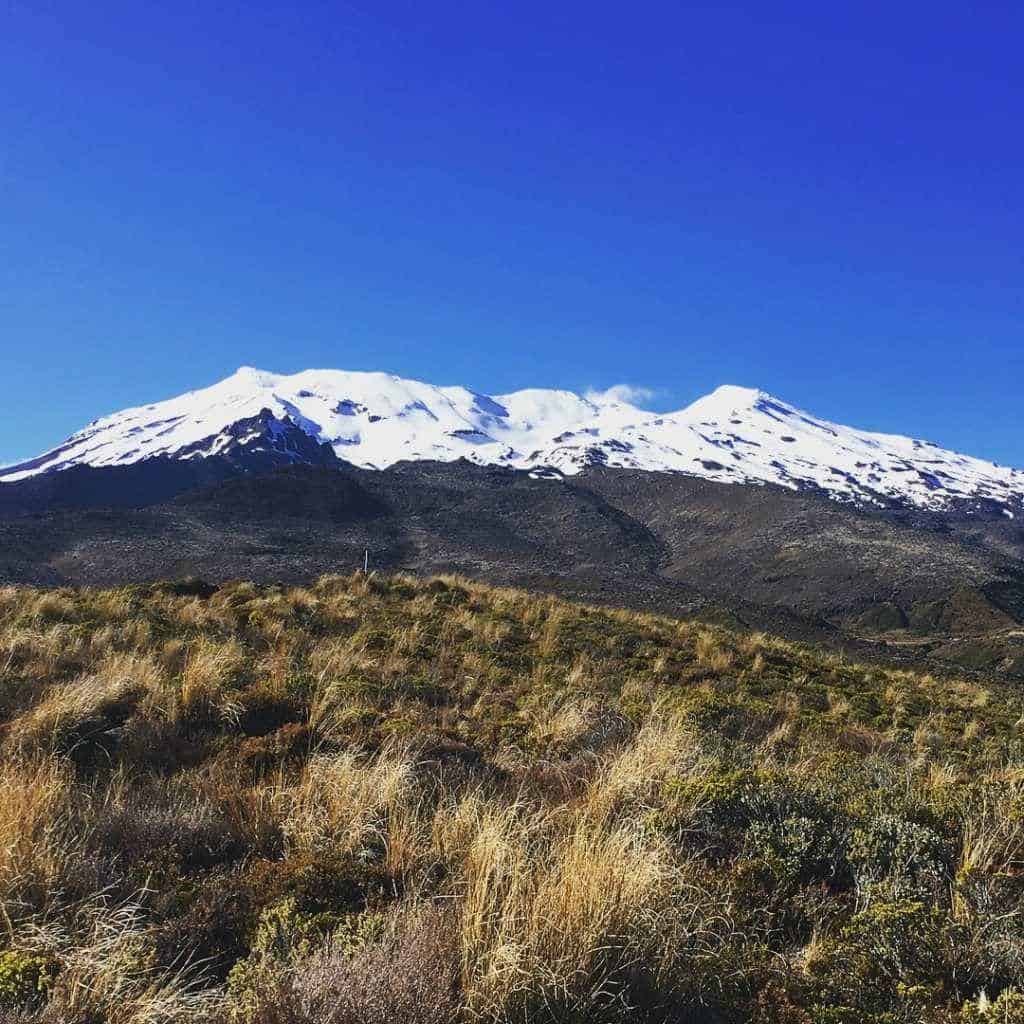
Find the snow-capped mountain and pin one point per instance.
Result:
(372, 420)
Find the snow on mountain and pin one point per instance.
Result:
(734, 434)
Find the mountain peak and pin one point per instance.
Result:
(738, 393)
(727, 397)
(249, 375)
(734, 434)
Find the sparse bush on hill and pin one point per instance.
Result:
(387, 800)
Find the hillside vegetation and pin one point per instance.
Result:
(914, 588)
(380, 799)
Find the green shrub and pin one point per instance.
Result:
(912, 860)
(1007, 1008)
(891, 959)
(25, 978)
(797, 849)
(286, 936)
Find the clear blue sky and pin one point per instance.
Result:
(822, 200)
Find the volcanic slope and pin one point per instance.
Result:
(766, 557)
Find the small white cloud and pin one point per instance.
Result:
(628, 393)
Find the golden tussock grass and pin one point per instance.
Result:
(390, 799)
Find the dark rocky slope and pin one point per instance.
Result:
(764, 557)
